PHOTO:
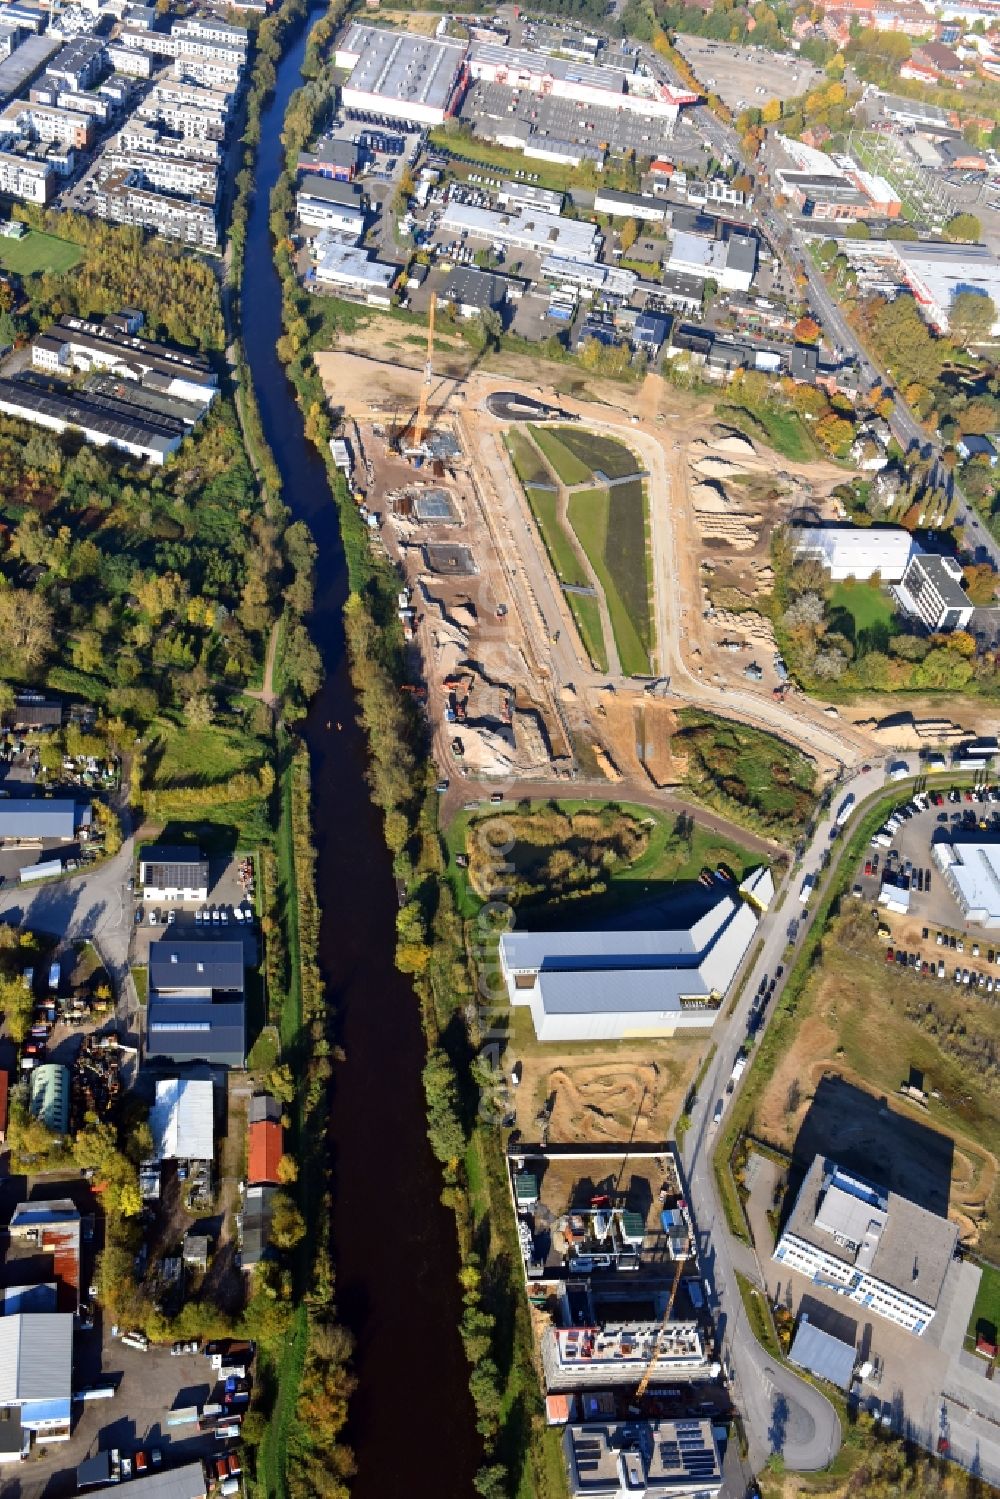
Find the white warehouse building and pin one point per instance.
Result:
(971, 870)
(525, 229)
(861, 1241)
(857, 551)
(604, 986)
(584, 83)
(937, 272)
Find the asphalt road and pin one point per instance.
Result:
(782, 1413)
(95, 905)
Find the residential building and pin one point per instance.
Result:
(621, 1352)
(196, 1010)
(400, 75)
(124, 198)
(265, 1140)
(27, 180)
(878, 1249)
(642, 1459)
(213, 72)
(50, 1228)
(49, 1100)
(176, 175)
(971, 869)
(85, 344)
(39, 122)
(931, 590)
(584, 986)
(182, 1120)
(36, 1372)
(170, 873)
(857, 551)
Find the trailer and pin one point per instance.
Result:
(47, 870)
(844, 810)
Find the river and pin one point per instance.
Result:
(412, 1425)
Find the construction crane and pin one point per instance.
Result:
(648, 1374)
(420, 424)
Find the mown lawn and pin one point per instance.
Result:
(38, 252)
(558, 545)
(867, 606)
(528, 462)
(601, 454)
(620, 568)
(587, 617)
(570, 468)
(986, 1312)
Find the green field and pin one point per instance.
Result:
(38, 252)
(569, 468)
(566, 565)
(611, 527)
(986, 1312)
(869, 607)
(601, 454)
(528, 462)
(586, 614)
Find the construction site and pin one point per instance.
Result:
(617, 1300)
(513, 685)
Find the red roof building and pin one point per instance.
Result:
(265, 1139)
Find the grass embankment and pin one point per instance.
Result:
(611, 525)
(568, 467)
(781, 429)
(37, 252)
(537, 481)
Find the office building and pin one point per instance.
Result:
(642, 1459)
(168, 873)
(860, 552)
(931, 590)
(589, 986)
(196, 1010)
(731, 263)
(400, 75)
(878, 1249)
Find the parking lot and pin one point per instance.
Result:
(924, 927)
(746, 77)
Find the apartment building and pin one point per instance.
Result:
(199, 113)
(124, 198)
(213, 72)
(29, 181)
(150, 140)
(44, 123)
(130, 61)
(169, 174)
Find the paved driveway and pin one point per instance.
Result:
(94, 904)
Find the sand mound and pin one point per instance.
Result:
(714, 467)
(728, 440)
(710, 497)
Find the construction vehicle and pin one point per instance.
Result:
(420, 424)
(648, 1373)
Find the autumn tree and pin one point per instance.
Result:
(964, 227)
(971, 318)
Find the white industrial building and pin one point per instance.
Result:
(937, 272)
(584, 83)
(878, 1249)
(400, 75)
(971, 869)
(731, 263)
(857, 551)
(604, 986)
(525, 229)
(182, 1120)
(931, 590)
(339, 264)
(36, 1372)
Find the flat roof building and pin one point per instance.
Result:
(621, 1352)
(524, 229)
(876, 1248)
(351, 266)
(971, 869)
(822, 1354)
(931, 590)
(472, 291)
(642, 1459)
(30, 819)
(937, 272)
(585, 986)
(187, 1482)
(857, 551)
(170, 873)
(580, 82)
(400, 75)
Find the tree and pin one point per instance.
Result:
(629, 235)
(771, 113)
(199, 710)
(288, 1169)
(971, 318)
(963, 226)
(807, 330)
(288, 1227)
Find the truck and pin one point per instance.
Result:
(844, 810)
(808, 886)
(739, 1067)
